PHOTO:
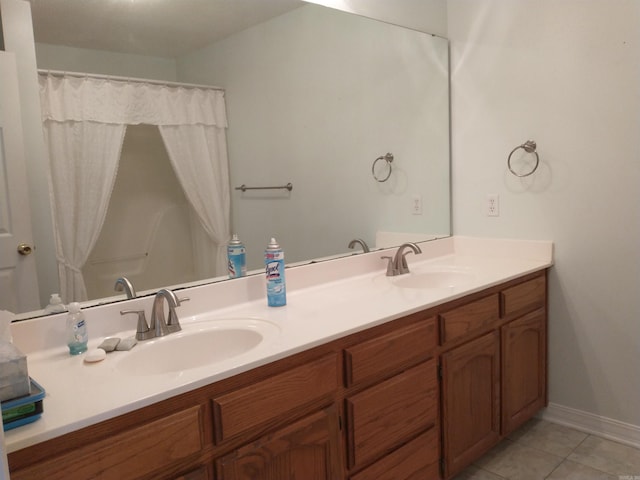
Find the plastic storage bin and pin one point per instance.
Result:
(23, 410)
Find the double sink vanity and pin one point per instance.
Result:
(360, 376)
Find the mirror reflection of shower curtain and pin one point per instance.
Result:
(83, 160)
(205, 183)
(85, 119)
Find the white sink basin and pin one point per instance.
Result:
(197, 345)
(434, 277)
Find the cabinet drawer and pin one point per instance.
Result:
(525, 297)
(248, 407)
(390, 353)
(469, 317)
(308, 449)
(129, 454)
(416, 460)
(386, 415)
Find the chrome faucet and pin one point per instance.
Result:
(363, 244)
(123, 283)
(159, 324)
(398, 264)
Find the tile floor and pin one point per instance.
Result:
(543, 450)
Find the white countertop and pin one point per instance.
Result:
(325, 301)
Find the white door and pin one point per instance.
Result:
(18, 281)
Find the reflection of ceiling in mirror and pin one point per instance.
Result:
(163, 28)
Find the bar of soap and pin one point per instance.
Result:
(95, 355)
(109, 344)
(126, 344)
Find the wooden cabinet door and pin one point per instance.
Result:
(470, 401)
(305, 450)
(524, 369)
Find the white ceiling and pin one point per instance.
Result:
(164, 28)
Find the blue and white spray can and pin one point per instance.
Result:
(237, 260)
(274, 269)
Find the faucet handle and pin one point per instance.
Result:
(390, 267)
(142, 331)
(173, 324)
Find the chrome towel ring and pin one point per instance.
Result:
(387, 158)
(530, 147)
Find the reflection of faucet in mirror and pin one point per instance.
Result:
(363, 244)
(158, 321)
(398, 264)
(123, 283)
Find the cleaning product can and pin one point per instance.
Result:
(77, 336)
(274, 269)
(236, 255)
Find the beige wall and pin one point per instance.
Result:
(423, 15)
(70, 59)
(566, 74)
(306, 111)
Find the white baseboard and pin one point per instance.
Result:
(588, 422)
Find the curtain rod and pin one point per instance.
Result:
(60, 73)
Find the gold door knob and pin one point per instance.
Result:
(25, 249)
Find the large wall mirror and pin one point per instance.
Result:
(313, 96)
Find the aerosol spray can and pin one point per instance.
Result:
(274, 269)
(236, 255)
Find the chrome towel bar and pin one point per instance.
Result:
(244, 188)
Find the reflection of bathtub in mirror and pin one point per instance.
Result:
(147, 235)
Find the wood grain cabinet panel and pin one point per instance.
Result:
(128, 455)
(470, 401)
(468, 318)
(387, 354)
(387, 414)
(243, 409)
(307, 450)
(416, 460)
(524, 369)
(201, 473)
(496, 380)
(525, 297)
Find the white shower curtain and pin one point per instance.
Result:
(205, 184)
(86, 162)
(84, 121)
